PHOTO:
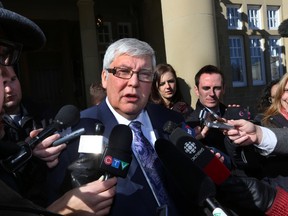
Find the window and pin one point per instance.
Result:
(237, 61)
(104, 33)
(273, 17)
(124, 30)
(254, 17)
(234, 17)
(257, 60)
(275, 57)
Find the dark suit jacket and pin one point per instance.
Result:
(133, 196)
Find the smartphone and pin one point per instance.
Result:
(218, 125)
(237, 113)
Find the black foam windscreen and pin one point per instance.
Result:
(170, 126)
(190, 179)
(118, 153)
(67, 116)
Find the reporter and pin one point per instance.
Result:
(94, 198)
(44, 151)
(266, 140)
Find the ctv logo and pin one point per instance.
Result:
(114, 162)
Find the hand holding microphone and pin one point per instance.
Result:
(114, 161)
(66, 117)
(85, 169)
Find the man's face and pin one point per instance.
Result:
(12, 89)
(210, 90)
(128, 96)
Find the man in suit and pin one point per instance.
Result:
(127, 77)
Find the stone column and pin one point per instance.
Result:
(190, 38)
(89, 43)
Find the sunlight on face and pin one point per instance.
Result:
(128, 96)
(210, 89)
(167, 86)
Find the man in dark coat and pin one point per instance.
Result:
(209, 87)
(127, 76)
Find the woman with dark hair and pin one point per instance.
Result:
(165, 90)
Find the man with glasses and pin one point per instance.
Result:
(128, 70)
(17, 31)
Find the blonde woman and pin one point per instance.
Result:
(276, 115)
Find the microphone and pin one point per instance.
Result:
(69, 137)
(200, 155)
(67, 116)
(117, 155)
(85, 169)
(188, 178)
(170, 126)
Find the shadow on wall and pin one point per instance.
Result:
(185, 90)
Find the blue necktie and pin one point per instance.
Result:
(149, 160)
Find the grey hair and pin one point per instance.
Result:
(129, 46)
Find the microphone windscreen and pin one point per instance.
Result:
(188, 178)
(67, 116)
(200, 155)
(118, 153)
(169, 127)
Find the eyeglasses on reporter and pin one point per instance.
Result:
(9, 52)
(126, 73)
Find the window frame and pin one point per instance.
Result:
(237, 23)
(104, 35)
(124, 35)
(280, 58)
(262, 60)
(257, 18)
(276, 17)
(239, 83)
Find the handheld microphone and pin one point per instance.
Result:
(200, 155)
(170, 126)
(85, 169)
(67, 116)
(69, 137)
(117, 155)
(188, 178)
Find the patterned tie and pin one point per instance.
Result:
(149, 160)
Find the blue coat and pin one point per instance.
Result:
(134, 196)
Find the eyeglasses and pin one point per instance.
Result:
(9, 52)
(127, 73)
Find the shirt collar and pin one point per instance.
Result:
(142, 117)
